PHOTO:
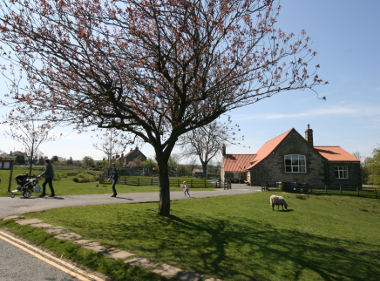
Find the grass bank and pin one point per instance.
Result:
(234, 237)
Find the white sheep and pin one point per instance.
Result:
(278, 200)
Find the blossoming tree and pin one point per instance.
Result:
(154, 68)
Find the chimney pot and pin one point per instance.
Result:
(309, 135)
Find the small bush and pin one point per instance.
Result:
(301, 196)
(86, 177)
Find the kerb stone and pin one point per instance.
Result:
(68, 236)
(118, 254)
(83, 241)
(167, 271)
(12, 218)
(41, 225)
(190, 276)
(56, 230)
(94, 246)
(141, 262)
(29, 221)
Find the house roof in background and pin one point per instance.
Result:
(237, 162)
(242, 162)
(268, 147)
(335, 153)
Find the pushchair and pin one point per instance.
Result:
(26, 185)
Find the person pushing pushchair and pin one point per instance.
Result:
(49, 175)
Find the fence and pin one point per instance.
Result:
(296, 187)
(153, 181)
(347, 191)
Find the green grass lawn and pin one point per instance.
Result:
(235, 237)
(76, 181)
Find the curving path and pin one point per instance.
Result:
(20, 205)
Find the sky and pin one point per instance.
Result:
(345, 34)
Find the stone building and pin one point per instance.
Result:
(131, 156)
(292, 158)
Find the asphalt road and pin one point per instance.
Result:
(19, 260)
(20, 205)
(16, 264)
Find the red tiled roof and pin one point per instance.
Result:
(242, 162)
(237, 162)
(267, 148)
(335, 153)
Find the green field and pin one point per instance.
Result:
(77, 181)
(235, 237)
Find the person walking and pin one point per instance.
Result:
(115, 178)
(49, 175)
(185, 188)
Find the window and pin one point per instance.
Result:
(341, 172)
(295, 163)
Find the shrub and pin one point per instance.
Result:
(301, 196)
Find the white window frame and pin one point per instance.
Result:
(341, 172)
(295, 164)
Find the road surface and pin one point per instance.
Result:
(20, 205)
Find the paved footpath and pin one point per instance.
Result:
(20, 205)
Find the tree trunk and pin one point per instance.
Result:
(162, 158)
(164, 207)
(31, 157)
(204, 167)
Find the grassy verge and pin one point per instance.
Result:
(234, 237)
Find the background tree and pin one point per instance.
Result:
(183, 170)
(20, 159)
(364, 169)
(207, 141)
(87, 162)
(70, 161)
(373, 167)
(112, 142)
(54, 159)
(216, 165)
(149, 166)
(41, 160)
(364, 161)
(173, 164)
(157, 69)
(29, 128)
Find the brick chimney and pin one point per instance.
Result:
(309, 135)
(223, 150)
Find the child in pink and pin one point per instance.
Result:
(185, 188)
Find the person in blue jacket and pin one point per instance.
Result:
(115, 178)
(49, 175)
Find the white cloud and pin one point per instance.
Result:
(342, 111)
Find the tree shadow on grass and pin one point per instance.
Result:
(239, 248)
(285, 255)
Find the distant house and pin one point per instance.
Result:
(3, 155)
(197, 172)
(132, 155)
(12, 155)
(234, 166)
(292, 158)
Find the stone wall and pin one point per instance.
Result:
(354, 175)
(273, 167)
